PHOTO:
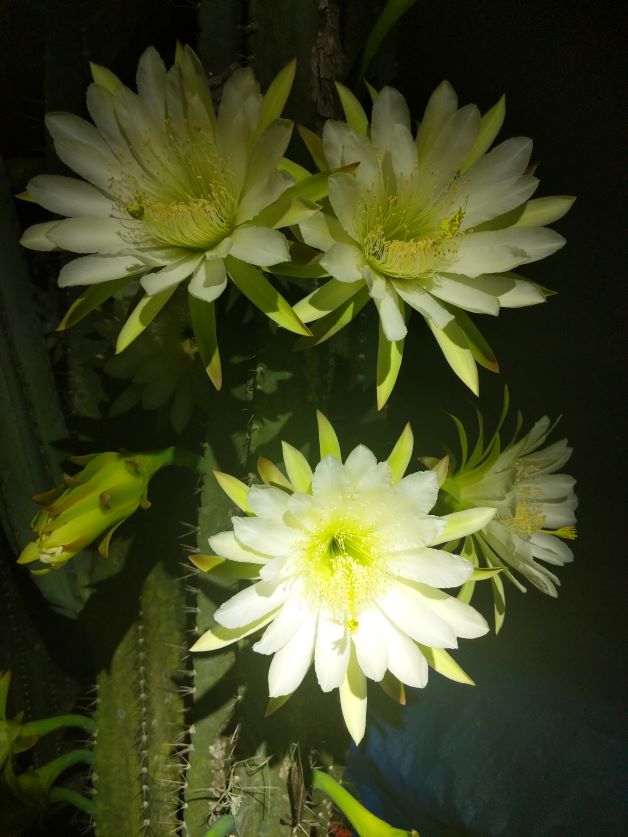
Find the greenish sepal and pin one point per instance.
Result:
(203, 316)
(275, 97)
(91, 298)
(332, 323)
(141, 317)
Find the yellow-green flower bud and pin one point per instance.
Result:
(91, 504)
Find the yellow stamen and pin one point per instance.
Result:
(569, 533)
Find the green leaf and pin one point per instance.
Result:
(458, 355)
(329, 325)
(354, 112)
(444, 663)
(297, 468)
(141, 317)
(490, 126)
(314, 145)
(325, 299)
(203, 316)
(254, 285)
(390, 14)
(389, 357)
(327, 438)
(235, 489)
(91, 297)
(223, 827)
(276, 96)
(401, 454)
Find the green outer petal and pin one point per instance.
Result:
(219, 637)
(354, 112)
(401, 454)
(490, 126)
(499, 602)
(459, 524)
(327, 438)
(275, 97)
(254, 285)
(203, 316)
(480, 349)
(142, 316)
(90, 299)
(352, 693)
(325, 299)
(235, 489)
(336, 320)
(314, 145)
(444, 663)
(271, 475)
(457, 353)
(389, 357)
(297, 468)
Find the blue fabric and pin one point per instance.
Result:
(533, 750)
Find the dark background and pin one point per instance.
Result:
(539, 748)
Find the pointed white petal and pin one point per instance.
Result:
(94, 235)
(81, 147)
(334, 135)
(249, 604)
(269, 502)
(332, 652)
(409, 611)
(285, 624)
(290, 663)
(353, 698)
(405, 660)
(462, 618)
(431, 566)
(219, 636)
(261, 246)
(346, 199)
(419, 491)
(389, 110)
(90, 270)
(36, 236)
(441, 106)
(208, 280)
(419, 299)
(226, 545)
(499, 250)
(69, 196)
(370, 645)
(265, 535)
(172, 274)
(344, 261)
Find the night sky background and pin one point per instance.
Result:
(540, 746)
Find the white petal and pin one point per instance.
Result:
(262, 194)
(208, 280)
(238, 88)
(151, 83)
(358, 149)
(359, 462)
(283, 627)
(268, 501)
(441, 106)
(431, 566)
(387, 303)
(90, 270)
(93, 235)
(346, 199)
(405, 660)
(226, 545)
(329, 478)
(443, 160)
(499, 250)
(419, 299)
(370, 645)
(332, 652)
(409, 531)
(172, 274)
(489, 200)
(322, 231)
(344, 262)
(419, 490)
(81, 147)
(259, 245)
(557, 515)
(462, 523)
(389, 110)
(290, 664)
(550, 549)
(267, 152)
(404, 158)
(409, 611)
(36, 236)
(352, 694)
(521, 294)
(69, 196)
(334, 135)
(249, 604)
(455, 290)
(506, 160)
(464, 619)
(219, 636)
(265, 536)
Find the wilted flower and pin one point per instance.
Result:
(346, 573)
(90, 505)
(432, 222)
(174, 192)
(535, 508)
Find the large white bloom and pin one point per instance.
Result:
(346, 573)
(172, 191)
(535, 509)
(432, 222)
